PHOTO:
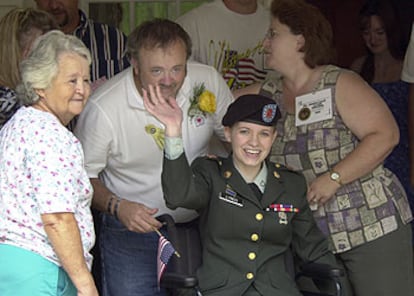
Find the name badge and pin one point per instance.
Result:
(230, 196)
(313, 107)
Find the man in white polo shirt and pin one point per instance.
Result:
(123, 147)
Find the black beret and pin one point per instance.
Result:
(252, 108)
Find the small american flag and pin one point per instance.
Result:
(165, 251)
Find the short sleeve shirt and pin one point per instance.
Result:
(41, 171)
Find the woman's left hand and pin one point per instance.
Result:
(322, 189)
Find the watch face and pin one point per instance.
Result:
(335, 176)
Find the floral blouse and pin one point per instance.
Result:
(41, 171)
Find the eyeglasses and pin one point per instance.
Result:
(270, 34)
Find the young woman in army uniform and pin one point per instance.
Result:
(252, 211)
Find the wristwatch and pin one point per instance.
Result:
(335, 176)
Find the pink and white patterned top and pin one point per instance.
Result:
(41, 171)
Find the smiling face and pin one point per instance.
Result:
(69, 90)
(165, 67)
(251, 143)
(281, 47)
(374, 35)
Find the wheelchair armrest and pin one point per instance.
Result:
(320, 271)
(173, 280)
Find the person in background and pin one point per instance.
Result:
(227, 34)
(19, 27)
(106, 43)
(381, 67)
(338, 131)
(46, 227)
(124, 144)
(407, 75)
(252, 211)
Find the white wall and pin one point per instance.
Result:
(266, 2)
(7, 5)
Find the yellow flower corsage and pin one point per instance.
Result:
(202, 102)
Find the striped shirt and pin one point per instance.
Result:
(8, 104)
(107, 45)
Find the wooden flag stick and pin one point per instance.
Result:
(157, 231)
(160, 234)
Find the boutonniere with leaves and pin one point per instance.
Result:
(203, 102)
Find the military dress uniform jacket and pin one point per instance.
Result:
(245, 239)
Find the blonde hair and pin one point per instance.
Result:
(15, 32)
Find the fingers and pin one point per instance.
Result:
(149, 224)
(145, 220)
(159, 95)
(147, 102)
(316, 199)
(321, 190)
(312, 199)
(153, 98)
(310, 196)
(146, 227)
(137, 217)
(156, 95)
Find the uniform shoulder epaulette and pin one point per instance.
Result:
(211, 156)
(283, 168)
(214, 158)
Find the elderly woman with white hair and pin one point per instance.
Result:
(46, 227)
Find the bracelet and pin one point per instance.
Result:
(109, 208)
(118, 201)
